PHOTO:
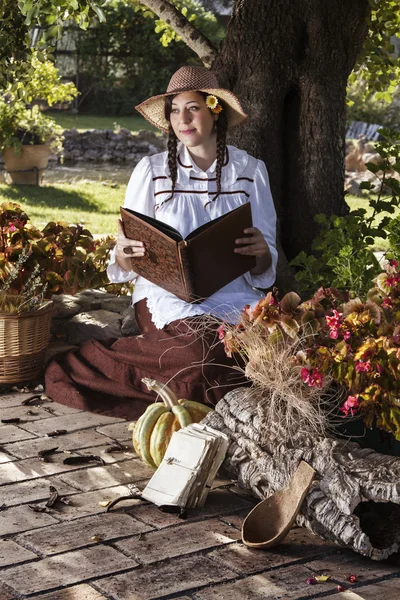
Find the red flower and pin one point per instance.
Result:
(363, 367)
(312, 377)
(387, 303)
(394, 263)
(350, 406)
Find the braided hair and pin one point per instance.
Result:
(221, 126)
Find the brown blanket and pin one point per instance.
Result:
(105, 377)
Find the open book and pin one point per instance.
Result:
(192, 268)
(185, 475)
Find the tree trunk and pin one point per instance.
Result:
(355, 497)
(289, 63)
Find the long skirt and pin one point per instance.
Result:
(105, 376)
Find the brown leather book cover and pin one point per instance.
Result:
(194, 268)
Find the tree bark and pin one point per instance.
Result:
(355, 497)
(289, 63)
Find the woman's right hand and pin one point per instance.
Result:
(126, 249)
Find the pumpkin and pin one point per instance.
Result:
(152, 432)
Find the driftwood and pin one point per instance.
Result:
(355, 498)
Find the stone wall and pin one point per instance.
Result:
(92, 314)
(105, 145)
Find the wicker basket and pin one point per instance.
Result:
(23, 342)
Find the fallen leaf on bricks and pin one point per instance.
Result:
(53, 497)
(37, 508)
(56, 432)
(44, 454)
(82, 460)
(105, 503)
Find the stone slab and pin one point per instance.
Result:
(297, 546)
(5, 457)
(385, 590)
(6, 593)
(88, 503)
(94, 325)
(32, 490)
(163, 579)
(12, 433)
(66, 569)
(72, 422)
(118, 431)
(22, 518)
(33, 468)
(345, 563)
(12, 553)
(287, 584)
(45, 411)
(84, 438)
(77, 592)
(13, 399)
(178, 541)
(109, 457)
(96, 478)
(72, 535)
(218, 503)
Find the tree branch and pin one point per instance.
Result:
(190, 35)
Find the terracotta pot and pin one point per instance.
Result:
(27, 167)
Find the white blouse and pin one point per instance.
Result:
(243, 179)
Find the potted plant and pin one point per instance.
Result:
(340, 360)
(27, 135)
(34, 265)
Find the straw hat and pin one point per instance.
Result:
(192, 79)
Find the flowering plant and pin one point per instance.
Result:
(34, 264)
(352, 343)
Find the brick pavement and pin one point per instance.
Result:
(77, 551)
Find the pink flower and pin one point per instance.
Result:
(334, 333)
(394, 263)
(312, 377)
(221, 332)
(346, 335)
(363, 367)
(12, 227)
(350, 406)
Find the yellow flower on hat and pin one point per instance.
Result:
(211, 101)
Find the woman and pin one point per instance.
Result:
(197, 180)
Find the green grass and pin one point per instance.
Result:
(89, 202)
(92, 204)
(85, 122)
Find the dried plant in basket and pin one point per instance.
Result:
(30, 298)
(272, 340)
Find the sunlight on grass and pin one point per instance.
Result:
(84, 122)
(356, 202)
(92, 204)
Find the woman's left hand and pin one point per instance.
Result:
(254, 244)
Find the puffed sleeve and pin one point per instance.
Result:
(264, 217)
(140, 197)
